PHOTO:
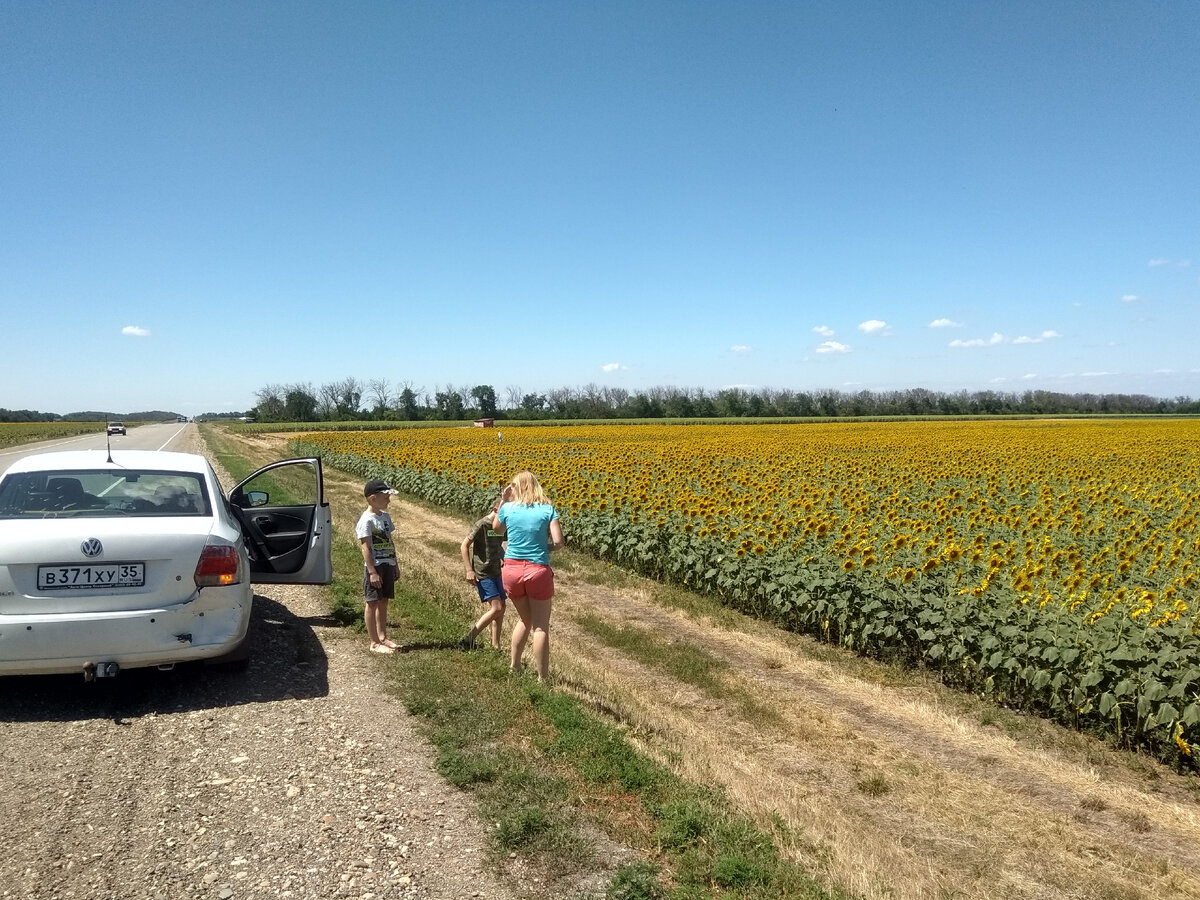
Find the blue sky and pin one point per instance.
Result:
(198, 199)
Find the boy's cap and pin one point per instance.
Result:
(377, 486)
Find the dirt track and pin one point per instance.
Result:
(893, 790)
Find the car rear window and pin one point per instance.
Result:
(88, 493)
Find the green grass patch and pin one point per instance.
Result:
(546, 772)
(225, 451)
(681, 661)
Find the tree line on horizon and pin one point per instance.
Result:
(33, 415)
(378, 400)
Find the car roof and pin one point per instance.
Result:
(162, 460)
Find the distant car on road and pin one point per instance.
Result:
(116, 428)
(136, 558)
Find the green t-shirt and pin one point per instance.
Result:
(487, 549)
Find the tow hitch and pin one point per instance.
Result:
(92, 671)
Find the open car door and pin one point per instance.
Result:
(286, 523)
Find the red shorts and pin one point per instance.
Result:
(523, 578)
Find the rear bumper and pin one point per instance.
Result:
(213, 622)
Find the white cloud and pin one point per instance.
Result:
(1029, 376)
(1097, 374)
(1130, 298)
(1154, 263)
(741, 348)
(996, 338)
(945, 323)
(824, 331)
(1041, 338)
(612, 367)
(1177, 263)
(135, 331)
(873, 326)
(833, 347)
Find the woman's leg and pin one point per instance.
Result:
(539, 623)
(520, 632)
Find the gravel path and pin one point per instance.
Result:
(296, 777)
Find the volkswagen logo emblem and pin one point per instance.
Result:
(92, 547)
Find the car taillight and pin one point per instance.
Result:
(218, 566)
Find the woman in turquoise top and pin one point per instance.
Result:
(530, 523)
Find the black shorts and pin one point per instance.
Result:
(387, 586)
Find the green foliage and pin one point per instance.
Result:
(636, 881)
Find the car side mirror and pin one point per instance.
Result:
(257, 498)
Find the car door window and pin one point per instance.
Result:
(286, 523)
(294, 484)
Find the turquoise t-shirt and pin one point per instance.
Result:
(528, 530)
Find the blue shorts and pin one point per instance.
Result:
(490, 589)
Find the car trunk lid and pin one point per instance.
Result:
(69, 565)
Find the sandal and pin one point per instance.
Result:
(381, 648)
(388, 642)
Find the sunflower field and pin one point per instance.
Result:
(14, 433)
(1050, 565)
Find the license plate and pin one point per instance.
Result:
(104, 575)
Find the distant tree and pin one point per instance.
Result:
(407, 405)
(341, 400)
(533, 403)
(485, 400)
(379, 394)
(449, 404)
(512, 396)
(642, 406)
(299, 403)
(349, 398)
(827, 403)
(29, 415)
(731, 402)
(562, 403)
(270, 406)
(678, 405)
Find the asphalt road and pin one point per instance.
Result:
(169, 436)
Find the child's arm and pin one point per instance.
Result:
(465, 548)
(368, 558)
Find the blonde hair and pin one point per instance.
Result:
(528, 489)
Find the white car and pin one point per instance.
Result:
(136, 558)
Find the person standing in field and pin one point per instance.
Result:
(374, 533)
(482, 556)
(530, 523)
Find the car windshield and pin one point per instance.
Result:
(95, 493)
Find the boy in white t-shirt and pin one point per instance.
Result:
(374, 533)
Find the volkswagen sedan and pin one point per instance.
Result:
(130, 559)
